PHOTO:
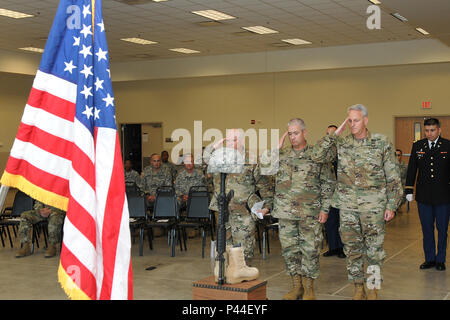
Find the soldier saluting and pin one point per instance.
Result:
(430, 162)
(368, 191)
(303, 191)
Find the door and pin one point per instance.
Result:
(410, 129)
(152, 141)
(132, 144)
(139, 141)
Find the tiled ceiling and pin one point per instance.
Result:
(172, 25)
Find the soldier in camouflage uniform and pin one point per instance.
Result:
(367, 193)
(303, 191)
(169, 165)
(154, 176)
(132, 177)
(187, 178)
(40, 212)
(241, 225)
(403, 171)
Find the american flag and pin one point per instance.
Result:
(67, 154)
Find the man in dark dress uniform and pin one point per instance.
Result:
(430, 161)
(335, 245)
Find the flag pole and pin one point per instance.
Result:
(3, 192)
(93, 20)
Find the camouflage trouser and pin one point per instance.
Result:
(363, 236)
(28, 218)
(300, 242)
(243, 228)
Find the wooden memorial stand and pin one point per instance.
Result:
(208, 289)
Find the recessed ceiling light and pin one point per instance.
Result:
(296, 41)
(32, 49)
(14, 14)
(422, 31)
(375, 1)
(260, 30)
(138, 41)
(399, 17)
(159, 0)
(184, 50)
(213, 14)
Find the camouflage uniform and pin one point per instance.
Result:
(171, 167)
(241, 225)
(403, 171)
(151, 179)
(28, 218)
(132, 178)
(303, 188)
(368, 183)
(186, 180)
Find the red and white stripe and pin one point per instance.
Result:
(56, 152)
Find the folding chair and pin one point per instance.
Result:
(263, 227)
(166, 215)
(198, 215)
(138, 218)
(22, 202)
(132, 190)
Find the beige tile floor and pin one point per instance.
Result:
(34, 277)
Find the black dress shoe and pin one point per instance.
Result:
(440, 266)
(330, 253)
(427, 265)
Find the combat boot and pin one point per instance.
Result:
(308, 284)
(50, 251)
(24, 251)
(359, 293)
(297, 289)
(372, 294)
(237, 271)
(216, 266)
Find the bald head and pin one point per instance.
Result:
(234, 138)
(155, 161)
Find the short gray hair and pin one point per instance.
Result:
(359, 107)
(298, 121)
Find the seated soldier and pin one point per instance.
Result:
(41, 212)
(187, 178)
(169, 165)
(132, 177)
(153, 177)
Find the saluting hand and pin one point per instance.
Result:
(281, 142)
(219, 143)
(342, 127)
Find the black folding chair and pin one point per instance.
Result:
(263, 227)
(132, 190)
(22, 202)
(166, 215)
(138, 218)
(198, 215)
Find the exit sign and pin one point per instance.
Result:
(426, 105)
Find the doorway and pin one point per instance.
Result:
(139, 141)
(410, 129)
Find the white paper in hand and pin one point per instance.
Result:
(409, 197)
(256, 209)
